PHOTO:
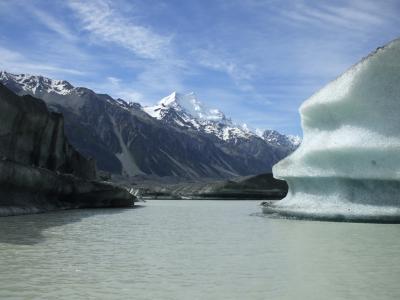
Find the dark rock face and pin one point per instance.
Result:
(39, 169)
(31, 135)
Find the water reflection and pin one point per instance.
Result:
(28, 229)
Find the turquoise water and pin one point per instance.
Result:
(194, 250)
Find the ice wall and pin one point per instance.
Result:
(348, 165)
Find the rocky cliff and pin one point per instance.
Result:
(39, 169)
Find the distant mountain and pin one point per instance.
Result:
(286, 141)
(185, 110)
(178, 137)
(188, 112)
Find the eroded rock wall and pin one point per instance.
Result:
(39, 169)
(31, 135)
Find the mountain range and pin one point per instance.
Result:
(178, 136)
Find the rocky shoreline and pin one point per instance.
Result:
(258, 187)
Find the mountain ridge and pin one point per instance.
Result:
(125, 139)
(186, 110)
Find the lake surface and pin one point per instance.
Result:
(194, 250)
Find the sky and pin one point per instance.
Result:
(257, 61)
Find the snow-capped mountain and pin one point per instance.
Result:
(55, 92)
(37, 84)
(185, 110)
(178, 137)
(186, 104)
(276, 138)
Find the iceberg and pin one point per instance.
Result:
(347, 167)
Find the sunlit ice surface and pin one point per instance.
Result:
(348, 165)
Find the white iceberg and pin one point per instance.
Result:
(348, 164)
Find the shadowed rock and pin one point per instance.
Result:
(39, 169)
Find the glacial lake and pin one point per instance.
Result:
(194, 250)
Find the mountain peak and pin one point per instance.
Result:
(187, 104)
(170, 100)
(276, 138)
(186, 110)
(35, 85)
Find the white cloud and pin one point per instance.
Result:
(240, 74)
(113, 80)
(52, 23)
(356, 16)
(100, 19)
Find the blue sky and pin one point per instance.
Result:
(255, 60)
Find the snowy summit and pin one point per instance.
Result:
(186, 103)
(38, 84)
(186, 110)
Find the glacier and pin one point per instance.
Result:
(347, 167)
